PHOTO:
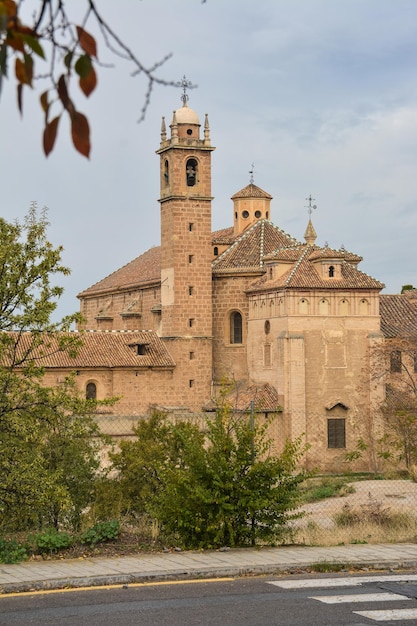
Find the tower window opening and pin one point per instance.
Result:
(190, 290)
(91, 391)
(191, 227)
(235, 327)
(166, 172)
(191, 383)
(216, 251)
(191, 322)
(191, 172)
(191, 356)
(258, 214)
(245, 214)
(331, 271)
(189, 131)
(190, 258)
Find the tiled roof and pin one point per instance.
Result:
(399, 314)
(264, 397)
(103, 349)
(329, 253)
(303, 275)
(249, 250)
(223, 236)
(251, 191)
(146, 268)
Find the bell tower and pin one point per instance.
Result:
(186, 251)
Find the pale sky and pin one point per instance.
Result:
(320, 95)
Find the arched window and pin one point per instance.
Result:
(216, 251)
(331, 271)
(191, 172)
(235, 327)
(91, 391)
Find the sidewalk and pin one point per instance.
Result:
(41, 575)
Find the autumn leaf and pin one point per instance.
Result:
(49, 135)
(80, 131)
(63, 92)
(24, 70)
(44, 101)
(87, 42)
(89, 82)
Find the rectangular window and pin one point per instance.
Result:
(191, 356)
(190, 291)
(395, 361)
(336, 433)
(190, 258)
(267, 355)
(191, 227)
(191, 322)
(191, 383)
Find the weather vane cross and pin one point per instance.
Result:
(251, 172)
(185, 84)
(310, 205)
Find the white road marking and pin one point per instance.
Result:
(391, 615)
(351, 581)
(362, 597)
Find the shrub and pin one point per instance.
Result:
(11, 551)
(52, 541)
(101, 532)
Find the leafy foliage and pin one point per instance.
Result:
(220, 487)
(11, 551)
(52, 541)
(49, 442)
(66, 52)
(101, 532)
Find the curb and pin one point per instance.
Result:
(184, 575)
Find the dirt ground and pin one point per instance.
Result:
(398, 496)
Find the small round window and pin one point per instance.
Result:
(258, 214)
(245, 214)
(189, 131)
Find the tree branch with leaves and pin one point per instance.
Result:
(73, 55)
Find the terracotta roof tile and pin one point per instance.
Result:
(251, 191)
(224, 236)
(249, 250)
(104, 349)
(399, 315)
(146, 268)
(303, 275)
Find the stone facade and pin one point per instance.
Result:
(293, 325)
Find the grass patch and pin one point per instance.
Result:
(322, 487)
(323, 567)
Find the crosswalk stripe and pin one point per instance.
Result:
(390, 615)
(351, 581)
(362, 597)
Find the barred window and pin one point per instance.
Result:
(91, 391)
(395, 361)
(336, 433)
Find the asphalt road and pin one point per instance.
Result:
(248, 601)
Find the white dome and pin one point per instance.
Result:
(185, 115)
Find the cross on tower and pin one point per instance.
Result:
(310, 205)
(251, 172)
(185, 84)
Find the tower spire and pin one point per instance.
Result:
(310, 235)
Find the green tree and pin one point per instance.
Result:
(48, 438)
(223, 486)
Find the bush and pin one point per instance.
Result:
(101, 533)
(371, 513)
(12, 552)
(52, 541)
